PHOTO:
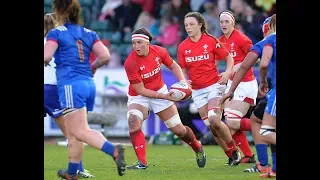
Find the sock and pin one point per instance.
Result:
(262, 153)
(191, 140)
(232, 146)
(228, 153)
(108, 148)
(139, 144)
(274, 159)
(72, 168)
(274, 162)
(245, 124)
(80, 168)
(241, 140)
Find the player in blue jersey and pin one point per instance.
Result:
(257, 115)
(268, 66)
(51, 98)
(71, 45)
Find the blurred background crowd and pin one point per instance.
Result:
(114, 20)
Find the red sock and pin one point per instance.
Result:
(232, 146)
(241, 139)
(139, 144)
(245, 124)
(191, 139)
(228, 153)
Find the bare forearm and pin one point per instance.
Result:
(150, 93)
(263, 74)
(99, 62)
(238, 78)
(178, 73)
(230, 63)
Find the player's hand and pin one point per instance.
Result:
(263, 88)
(169, 97)
(229, 95)
(188, 82)
(224, 77)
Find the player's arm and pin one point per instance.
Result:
(247, 63)
(137, 83)
(246, 46)
(49, 49)
(223, 54)
(172, 65)
(177, 71)
(101, 51)
(141, 90)
(181, 62)
(265, 60)
(51, 46)
(185, 73)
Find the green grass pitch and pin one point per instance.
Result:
(165, 162)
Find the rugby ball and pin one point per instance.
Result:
(181, 91)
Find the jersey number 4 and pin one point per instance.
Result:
(80, 50)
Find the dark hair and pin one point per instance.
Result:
(67, 11)
(200, 19)
(49, 22)
(228, 11)
(143, 31)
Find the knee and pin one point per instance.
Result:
(134, 123)
(135, 118)
(180, 130)
(214, 117)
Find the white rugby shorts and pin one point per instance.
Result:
(155, 105)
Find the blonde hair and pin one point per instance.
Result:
(49, 23)
(272, 23)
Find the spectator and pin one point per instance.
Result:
(125, 17)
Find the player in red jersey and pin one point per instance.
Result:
(268, 28)
(196, 56)
(238, 44)
(148, 91)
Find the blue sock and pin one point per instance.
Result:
(274, 162)
(80, 168)
(262, 153)
(72, 168)
(108, 148)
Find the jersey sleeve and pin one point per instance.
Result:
(269, 42)
(95, 37)
(219, 51)
(246, 45)
(256, 49)
(53, 35)
(167, 60)
(132, 71)
(181, 61)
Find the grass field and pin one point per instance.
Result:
(165, 162)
